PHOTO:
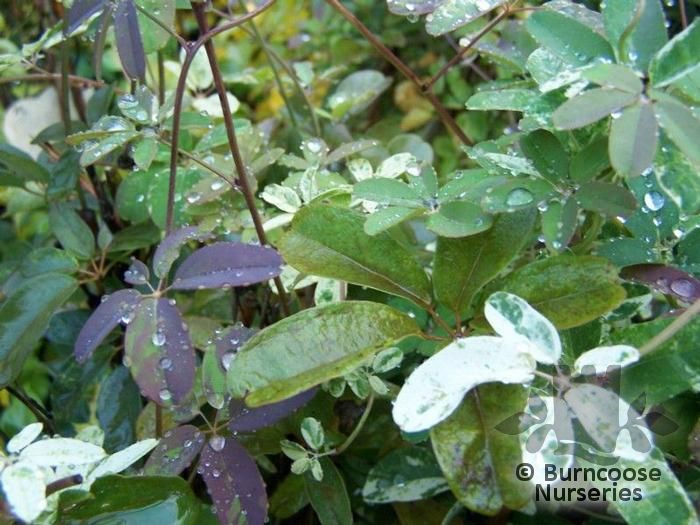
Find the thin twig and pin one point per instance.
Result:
(35, 408)
(458, 57)
(356, 431)
(243, 182)
(391, 57)
(676, 326)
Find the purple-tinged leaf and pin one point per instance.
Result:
(80, 11)
(234, 482)
(114, 309)
(159, 351)
(137, 273)
(229, 342)
(176, 451)
(244, 419)
(666, 279)
(129, 42)
(169, 249)
(226, 264)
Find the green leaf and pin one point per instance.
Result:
(405, 474)
(25, 315)
(71, 231)
(590, 161)
(134, 501)
(213, 380)
(614, 76)
(289, 497)
(678, 58)
(155, 37)
(356, 92)
(386, 218)
(568, 38)
(607, 198)
(677, 177)
(331, 242)
(314, 346)
(503, 99)
(559, 223)
(453, 14)
(387, 192)
(463, 266)
(21, 165)
(636, 29)
(312, 432)
(547, 154)
(329, 497)
(131, 196)
(45, 260)
(517, 193)
(633, 140)
(590, 107)
(681, 126)
(459, 219)
(477, 459)
(118, 407)
(669, 370)
(569, 291)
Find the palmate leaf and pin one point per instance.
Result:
(159, 351)
(225, 264)
(233, 482)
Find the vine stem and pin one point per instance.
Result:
(676, 326)
(34, 407)
(355, 431)
(206, 40)
(399, 64)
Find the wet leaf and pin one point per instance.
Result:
(314, 346)
(113, 310)
(129, 41)
(234, 483)
(633, 140)
(329, 497)
(678, 58)
(81, 11)
(159, 351)
(607, 198)
(175, 452)
(244, 419)
(225, 264)
(169, 249)
(590, 107)
(665, 279)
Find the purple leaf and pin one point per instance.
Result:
(169, 249)
(80, 11)
(175, 452)
(666, 279)
(114, 309)
(229, 343)
(159, 351)
(234, 482)
(244, 419)
(129, 43)
(137, 273)
(226, 264)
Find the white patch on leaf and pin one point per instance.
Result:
(62, 452)
(24, 437)
(514, 319)
(436, 388)
(600, 358)
(24, 487)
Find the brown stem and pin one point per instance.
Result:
(458, 57)
(684, 14)
(34, 407)
(63, 483)
(391, 57)
(206, 40)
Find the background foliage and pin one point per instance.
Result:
(254, 255)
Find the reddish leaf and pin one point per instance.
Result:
(244, 419)
(226, 264)
(665, 279)
(169, 249)
(80, 11)
(114, 309)
(159, 351)
(129, 42)
(234, 482)
(175, 452)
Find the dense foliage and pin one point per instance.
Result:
(322, 261)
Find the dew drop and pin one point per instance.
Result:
(683, 287)
(217, 443)
(519, 197)
(654, 200)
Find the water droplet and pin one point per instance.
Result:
(227, 359)
(217, 443)
(683, 287)
(158, 338)
(519, 197)
(654, 200)
(166, 363)
(165, 395)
